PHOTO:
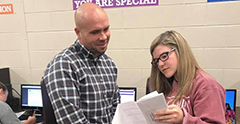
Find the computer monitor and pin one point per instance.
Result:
(231, 98)
(231, 106)
(31, 96)
(128, 94)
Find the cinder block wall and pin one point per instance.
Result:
(39, 29)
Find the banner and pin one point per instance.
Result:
(115, 3)
(221, 0)
(6, 9)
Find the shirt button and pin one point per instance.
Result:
(105, 96)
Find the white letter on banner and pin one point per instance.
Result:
(118, 3)
(104, 3)
(98, 3)
(82, 2)
(145, 1)
(129, 2)
(89, 1)
(5, 8)
(110, 2)
(135, 3)
(9, 8)
(123, 1)
(153, 1)
(77, 3)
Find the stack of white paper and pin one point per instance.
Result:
(140, 112)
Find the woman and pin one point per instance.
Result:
(7, 116)
(193, 96)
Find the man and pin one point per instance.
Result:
(81, 80)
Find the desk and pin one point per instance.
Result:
(19, 113)
(38, 116)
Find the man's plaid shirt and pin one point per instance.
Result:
(82, 89)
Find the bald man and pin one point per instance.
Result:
(81, 80)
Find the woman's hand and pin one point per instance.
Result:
(173, 114)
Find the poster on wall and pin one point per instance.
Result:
(6, 9)
(116, 3)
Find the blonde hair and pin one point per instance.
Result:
(187, 66)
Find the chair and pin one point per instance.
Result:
(147, 86)
(48, 114)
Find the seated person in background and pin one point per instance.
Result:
(7, 116)
(81, 80)
(230, 115)
(193, 96)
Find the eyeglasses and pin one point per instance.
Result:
(163, 57)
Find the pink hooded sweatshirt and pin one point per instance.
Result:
(206, 102)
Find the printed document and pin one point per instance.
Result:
(142, 111)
